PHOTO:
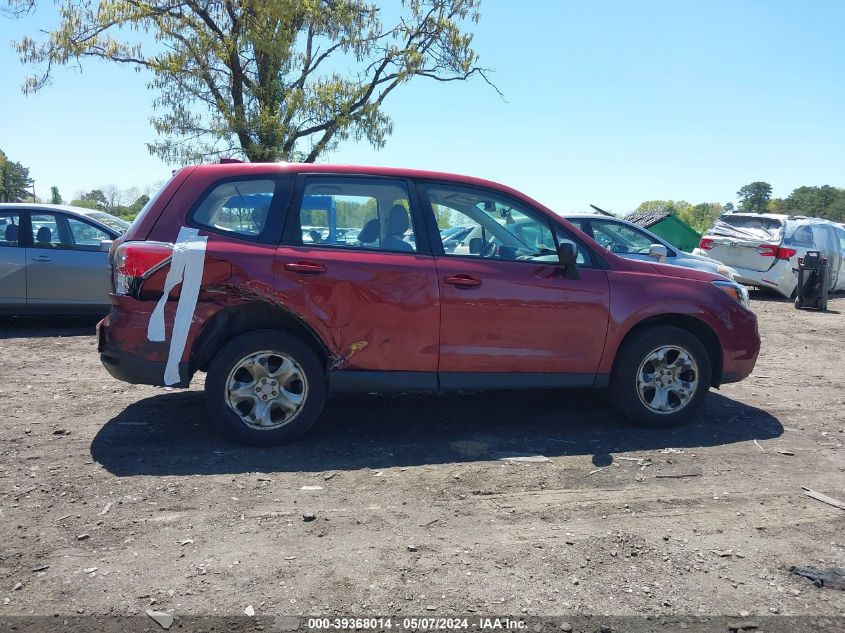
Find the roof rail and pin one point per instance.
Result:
(225, 161)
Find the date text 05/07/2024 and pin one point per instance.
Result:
(420, 623)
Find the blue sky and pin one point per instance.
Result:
(609, 103)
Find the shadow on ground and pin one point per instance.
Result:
(168, 434)
(47, 326)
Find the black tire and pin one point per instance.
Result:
(231, 424)
(623, 381)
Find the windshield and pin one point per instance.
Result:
(121, 226)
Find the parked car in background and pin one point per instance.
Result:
(764, 248)
(277, 322)
(453, 236)
(53, 259)
(630, 240)
(113, 222)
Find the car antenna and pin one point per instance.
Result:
(602, 211)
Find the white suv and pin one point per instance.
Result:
(764, 248)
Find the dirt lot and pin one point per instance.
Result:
(114, 498)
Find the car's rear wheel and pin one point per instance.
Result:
(660, 376)
(265, 388)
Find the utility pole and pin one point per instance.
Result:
(33, 191)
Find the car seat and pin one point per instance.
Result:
(11, 234)
(397, 223)
(370, 232)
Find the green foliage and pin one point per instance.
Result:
(55, 196)
(821, 202)
(672, 206)
(85, 203)
(701, 216)
(267, 79)
(444, 216)
(95, 199)
(15, 182)
(754, 197)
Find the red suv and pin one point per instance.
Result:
(287, 282)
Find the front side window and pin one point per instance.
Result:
(57, 231)
(620, 238)
(480, 223)
(356, 213)
(10, 223)
(86, 237)
(239, 207)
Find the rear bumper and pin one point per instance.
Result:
(127, 353)
(139, 371)
(780, 278)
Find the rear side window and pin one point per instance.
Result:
(355, 213)
(10, 222)
(802, 235)
(239, 207)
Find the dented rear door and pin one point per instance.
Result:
(374, 304)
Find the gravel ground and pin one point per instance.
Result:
(115, 499)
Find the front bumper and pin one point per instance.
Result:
(740, 347)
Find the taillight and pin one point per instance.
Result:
(786, 253)
(133, 260)
(772, 250)
(705, 244)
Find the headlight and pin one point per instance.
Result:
(725, 272)
(735, 291)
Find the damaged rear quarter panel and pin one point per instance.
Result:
(367, 317)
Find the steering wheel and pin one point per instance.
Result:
(488, 249)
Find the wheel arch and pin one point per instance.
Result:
(694, 326)
(232, 321)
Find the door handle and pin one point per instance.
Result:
(309, 268)
(462, 280)
(41, 258)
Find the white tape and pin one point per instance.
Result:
(186, 267)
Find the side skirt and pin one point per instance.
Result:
(353, 381)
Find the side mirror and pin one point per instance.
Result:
(475, 245)
(658, 252)
(105, 245)
(567, 253)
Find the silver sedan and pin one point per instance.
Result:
(53, 260)
(629, 240)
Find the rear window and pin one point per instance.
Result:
(748, 227)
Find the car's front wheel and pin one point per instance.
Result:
(660, 377)
(265, 388)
